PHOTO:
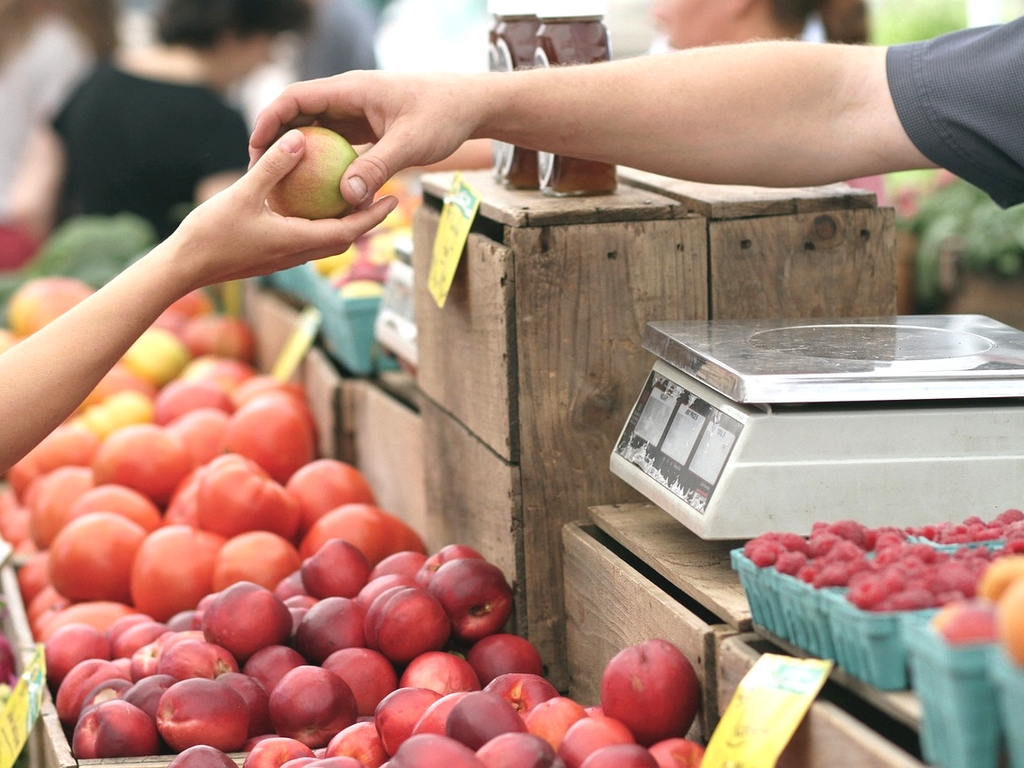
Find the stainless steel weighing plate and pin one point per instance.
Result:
(907, 357)
(747, 426)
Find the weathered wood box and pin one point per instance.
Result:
(529, 370)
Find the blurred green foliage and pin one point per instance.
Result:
(903, 21)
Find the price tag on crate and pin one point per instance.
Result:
(767, 708)
(460, 207)
(298, 344)
(19, 712)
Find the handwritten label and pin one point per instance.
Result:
(21, 709)
(460, 207)
(767, 708)
(298, 344)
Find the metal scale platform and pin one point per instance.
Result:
(748, 426)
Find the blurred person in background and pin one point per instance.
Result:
(46, 47)
(151, 131)
(340, 38)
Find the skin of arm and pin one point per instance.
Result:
(234, 235)
(773, 113)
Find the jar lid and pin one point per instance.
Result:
(512, 7)
(561, 9)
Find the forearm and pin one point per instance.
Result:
(46, 376)
(778, 114)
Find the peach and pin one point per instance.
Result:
(270, 664)
(77, 684)
(275, 751)
(652, 688)
(245, 617)
(361, 741)
(442, 556)
(337, 569)
(479, 716)
(522, 689)
(476, 596)
(70, 644)
(518, 750)
(677, 752)
(404, 622)
(435, 717)
(432, 750)
(311, 704)
(590, 734)
(551, 718)
(114, 728)
(381, 584)
(130, 639)
(966, 621)
(502, 652)
(440, 671)
(620, 756)
(113, 688)
(146, 693)
(329, 625)
(202, 756)
(398, 712)
(290, 585)
(257, 699)
(407, 562)
(368, 673)
(195, 658)
(202, 711)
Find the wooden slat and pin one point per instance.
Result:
(699, 568)
(610, 606)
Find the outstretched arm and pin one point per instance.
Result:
(778, 113)
(234, 235)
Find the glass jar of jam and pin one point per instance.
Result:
(513, 42)
(573, 32)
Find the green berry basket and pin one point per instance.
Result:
(761, 586)
(806, 612)
(1007, 678)
(960, 725)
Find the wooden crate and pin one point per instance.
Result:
(530, 369)
(855, 735)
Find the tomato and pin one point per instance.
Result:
(324, 484)
(375, 532)
(91, 557)
(50, 499)
(68, 444)
(173, 570)
(202, 431)
(261, 557)
(100, 614)
(275, 432)
(145, 457)
(121, 499)
(33, 575)
(236, 495)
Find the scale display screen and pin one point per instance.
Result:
(678, 439)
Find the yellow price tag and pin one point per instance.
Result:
(298, 344)
(770, 702)
(22, 708)
(460, 207)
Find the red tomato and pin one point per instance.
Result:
(275, 432)
(234, 495)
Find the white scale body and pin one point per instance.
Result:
(744, 427)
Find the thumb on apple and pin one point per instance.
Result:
(275, 163)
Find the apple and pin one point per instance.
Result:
(337, 569)
(70, 644)
(312, 189)
(196, 658)
(202, 756)
(245, 617)
(475, 594)
(550, 719)
(361, 741)
(440, 671)
(368, 673)
(333, 623)
(114, 728)
(275, 751)
(432, 750)
(199, 710)
(677, 752)
(620, 756)
(518, 750)
(404, 622)
(652, 688)
(523, 690)
(398, 712)
(269, 665)
(78, 683)
(501, 653)
(590, 734)
(479, 716)
(311, 704)
(443, 555)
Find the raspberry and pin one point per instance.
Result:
(867, 593)
(1008, 516)
(911, 599)
(1014, 546)
(850, 530)
(790, 562)
(793, 542)
(809, 572)
(764, 552)
(845, 550)
(834, 574)
(821, 543)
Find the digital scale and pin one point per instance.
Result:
(749, 426)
